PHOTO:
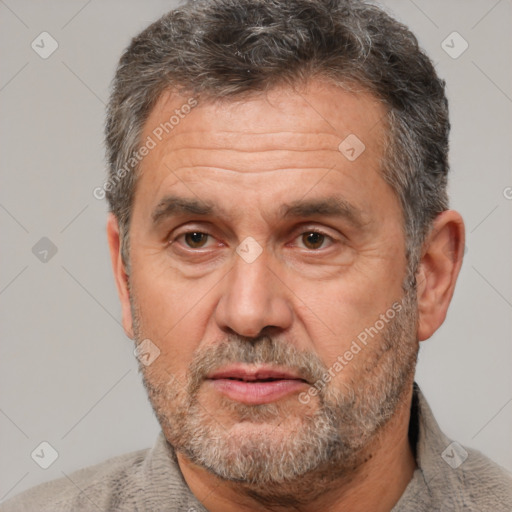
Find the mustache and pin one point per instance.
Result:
(261, 350)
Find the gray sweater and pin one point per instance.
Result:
(449, 478)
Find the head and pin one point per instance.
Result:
(277, 186)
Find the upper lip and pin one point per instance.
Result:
(253, 373)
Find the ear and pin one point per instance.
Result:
(120, 275)
(438, 270)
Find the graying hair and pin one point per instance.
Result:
(222, 49)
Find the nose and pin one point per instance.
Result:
(253, 299)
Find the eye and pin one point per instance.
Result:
(195, 239)
(314, 240)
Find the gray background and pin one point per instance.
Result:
(68, 375)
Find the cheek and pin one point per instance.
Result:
(173, 316)
(345, 310)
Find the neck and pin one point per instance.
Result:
(377, 484)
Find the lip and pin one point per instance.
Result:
(255, 385)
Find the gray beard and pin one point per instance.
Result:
(286, 457)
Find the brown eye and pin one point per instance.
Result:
(313, 240)
(196, 239)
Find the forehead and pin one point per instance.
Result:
(319, 107)
(252, 142)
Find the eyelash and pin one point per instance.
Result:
(307, 231)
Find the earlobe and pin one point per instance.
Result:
(120, 275)
(439, 268)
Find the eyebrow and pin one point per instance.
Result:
(171, 206)
(333, 206)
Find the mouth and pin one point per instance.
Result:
(255, 385)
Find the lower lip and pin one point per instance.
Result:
(257, 392)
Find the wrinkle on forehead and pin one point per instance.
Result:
(235, 143)
(322, 110)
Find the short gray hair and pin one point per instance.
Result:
(230, 48)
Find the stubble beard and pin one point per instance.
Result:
(286, 452)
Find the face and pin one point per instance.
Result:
(267, 263)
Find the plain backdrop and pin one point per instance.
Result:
(68, 375)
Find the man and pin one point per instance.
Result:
(281, 243)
